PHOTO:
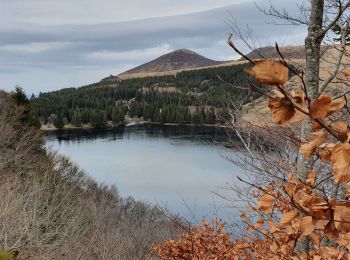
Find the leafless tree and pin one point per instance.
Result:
(50, 209)
(268, 152)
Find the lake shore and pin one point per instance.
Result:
(51, 127)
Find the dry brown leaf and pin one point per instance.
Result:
(290, 188)
(316, 125)
(342, 218)
(330, 231)
(273, 227)
(316, 140)
(274, 247)
(265, 203)
(288, 217)
(344, 240)
(269, 72)
(301, 100)
(308, 202)
(306, 225)
(324, 106)
(285, 249)
(316, 238)
(347, 74)
(325, 153)
(320, 210)
(329, 252)
(259, 222)
(321, 223)
(341, 128)
(341, 163)
(311, 178)
(282, 110)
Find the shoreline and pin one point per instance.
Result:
(45, 128)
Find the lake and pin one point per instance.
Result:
(178, 167)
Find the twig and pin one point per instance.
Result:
(230, 42)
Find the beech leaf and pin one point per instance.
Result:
(324, 106)
(283, 110)
(316, 140)
(306, 226)
(325, 153)
(311, 178)
(342, 218)
(341, 128)
(265, 203)
(269, 72)
(288, 217)
(341, 163)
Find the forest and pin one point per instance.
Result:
(189, 97)
(51, 209)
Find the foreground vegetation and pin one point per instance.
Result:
(51, 210)
(298, 203)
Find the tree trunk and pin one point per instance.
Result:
(313, 48)
(312, 79)
(312, 70)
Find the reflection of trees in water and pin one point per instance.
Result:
(178, 134)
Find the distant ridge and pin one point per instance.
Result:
(289, 52)
(182, 59)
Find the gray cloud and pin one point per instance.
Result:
(46, 57)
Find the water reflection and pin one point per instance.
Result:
(161, 164)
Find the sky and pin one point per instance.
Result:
(52, 44)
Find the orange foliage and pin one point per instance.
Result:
(289, 211)
(284, 111)
(316, 140)
(325, 106)
(269, 72)
(201, 242)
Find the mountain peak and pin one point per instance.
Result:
(181, 59)
(184, 51)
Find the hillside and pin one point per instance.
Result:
(186, 60)
(190, 97)
(174, 61)
(50, 209)
(269, 52)
(258, 109)
(288, 52)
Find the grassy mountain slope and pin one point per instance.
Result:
(174, 61)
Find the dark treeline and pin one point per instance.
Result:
(189, 97)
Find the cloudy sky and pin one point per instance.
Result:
(52, 44)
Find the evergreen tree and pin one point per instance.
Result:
(19, 96)
(58, 123)
(193, 88)
(76, 119)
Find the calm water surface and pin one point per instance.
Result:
(176, 167)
